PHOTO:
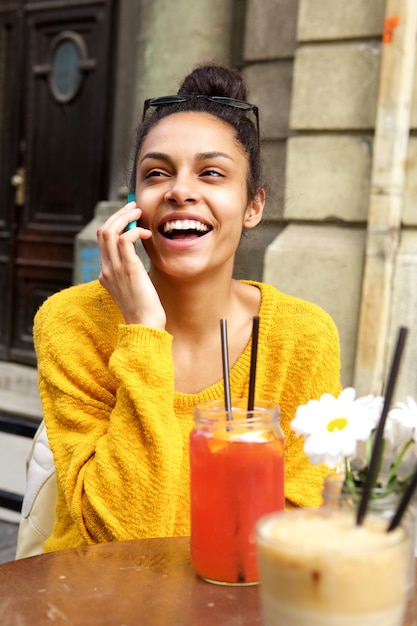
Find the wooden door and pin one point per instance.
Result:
(56, 67)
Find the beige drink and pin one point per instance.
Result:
(318, 568)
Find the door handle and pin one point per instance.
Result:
(18, 181)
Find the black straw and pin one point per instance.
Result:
(225, 362)
(378, 442)
(254, 355)
(407, 495)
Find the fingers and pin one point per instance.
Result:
(115, 242)
(119, 221)
(123, 273)
(130, 226)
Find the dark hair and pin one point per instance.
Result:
(211, 80)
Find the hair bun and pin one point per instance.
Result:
(214, 80)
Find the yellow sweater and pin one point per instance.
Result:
(119, 431)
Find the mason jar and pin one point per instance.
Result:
(236, 477)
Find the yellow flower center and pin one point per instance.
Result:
(338, 423)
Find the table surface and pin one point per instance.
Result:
(149, 581)
(128, 583)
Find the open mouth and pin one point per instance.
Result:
(181, 229)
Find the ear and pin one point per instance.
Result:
(254, 210)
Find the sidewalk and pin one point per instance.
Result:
(8, 537)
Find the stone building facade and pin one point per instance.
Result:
(314, 69)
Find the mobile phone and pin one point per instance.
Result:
(131, 198)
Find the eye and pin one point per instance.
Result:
(212, 173)
(155, 174)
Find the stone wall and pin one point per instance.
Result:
(321, 253)
(268, 59)
(335, 86)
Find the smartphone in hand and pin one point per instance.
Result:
(131, 198)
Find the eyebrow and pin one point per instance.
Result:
(212, 155)
(203, 156)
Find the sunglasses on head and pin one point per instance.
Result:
(230, 102)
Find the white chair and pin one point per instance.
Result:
(38, 508)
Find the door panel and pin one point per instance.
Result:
(10, 70)
(63, 148)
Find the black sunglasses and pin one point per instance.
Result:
(230, 102)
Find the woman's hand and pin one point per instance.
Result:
(122, 272)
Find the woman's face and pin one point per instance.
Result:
(192, 188)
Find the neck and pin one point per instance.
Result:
(194, 309)
(194, 305)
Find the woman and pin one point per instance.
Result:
(123, 360)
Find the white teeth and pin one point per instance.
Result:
(185, 225)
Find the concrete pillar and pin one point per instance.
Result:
(322, 264)
(175, 36)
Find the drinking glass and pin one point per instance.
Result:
(318, 568)
(237, 476)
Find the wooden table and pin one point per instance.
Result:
(148, 582)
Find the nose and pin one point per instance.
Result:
(183, 190)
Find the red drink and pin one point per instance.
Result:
(237, 476)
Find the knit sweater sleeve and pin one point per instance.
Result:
(107, 391)
(314, 372)
(300, 362)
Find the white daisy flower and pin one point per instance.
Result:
(401, 423)
(331, 426)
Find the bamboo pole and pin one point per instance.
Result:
(386, 191)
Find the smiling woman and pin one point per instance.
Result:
(124, 360)
(179, 185)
